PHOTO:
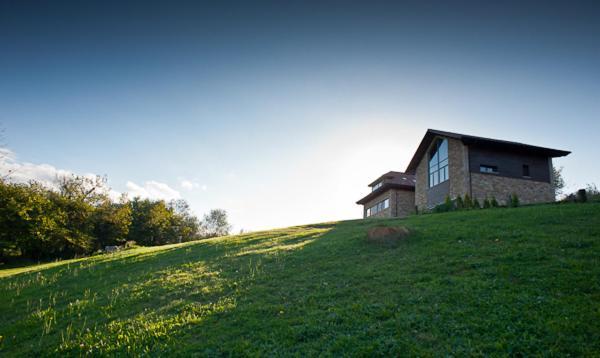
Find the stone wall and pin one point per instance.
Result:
(461, 181)
(458, 168)
(403, 203)
(386, 213)
(458, 173)
(528, 191)
(421, 183)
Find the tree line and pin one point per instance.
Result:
(79, 218)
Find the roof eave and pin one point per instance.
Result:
(383, 189)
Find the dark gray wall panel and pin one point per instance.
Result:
(510, 164)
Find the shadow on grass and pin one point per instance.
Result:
(456, 285)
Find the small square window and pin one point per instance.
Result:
(488, 169)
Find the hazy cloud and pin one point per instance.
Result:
(46, 174)
(152, 190)
(191, 185)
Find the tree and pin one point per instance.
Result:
(215, 223)
(150, 222)
(558, 181)
(111, 222)
(185, 226)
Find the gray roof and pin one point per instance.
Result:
(390, 180)
(480, 141)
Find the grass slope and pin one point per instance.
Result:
(501, 281)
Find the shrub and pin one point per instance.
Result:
(486, 203)
(468, 202)
(494, 202)
(459, 203)
(593, 194)
(514, 200)
(581, 196)
(449, 204)
(476, 204)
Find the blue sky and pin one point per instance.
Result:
(283, 112)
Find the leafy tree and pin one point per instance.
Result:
(558, 181)
(185, 225)
(150, 222)
(111, 222)
(27, 219)
(215, 223)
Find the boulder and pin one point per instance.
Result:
(386, 235)
(112, 248)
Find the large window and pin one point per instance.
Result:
(438, 163)
(380, 206)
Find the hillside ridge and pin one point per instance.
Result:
(499, 281)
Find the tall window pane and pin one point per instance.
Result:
(438, 163)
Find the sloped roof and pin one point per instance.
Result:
(391, 180)
(482, 141)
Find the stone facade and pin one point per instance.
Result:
(386, 213)
(421, 184)
(458, 175)
(528, 191)
(458, 165)
(402, 204)
(481, 167)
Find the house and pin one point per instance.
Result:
(392, 195)
(451, 164)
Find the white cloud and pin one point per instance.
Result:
(191, 185)
(46, 174)
(23, 172)
(152, 190)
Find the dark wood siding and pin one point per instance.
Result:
(510, 164)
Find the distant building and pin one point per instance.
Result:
(451, 165)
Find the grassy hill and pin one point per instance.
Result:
(500, 281)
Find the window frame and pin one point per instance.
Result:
(377, 186)
(526, 171)
(438, 168)
(493, 169)
(378, 207)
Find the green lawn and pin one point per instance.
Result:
(487, 282)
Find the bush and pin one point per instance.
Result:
(514, 200)
(448, 203)
(486, 203)
(459, 203)
(468, 203)
(494, 202)
(476, 204)
(593, 194)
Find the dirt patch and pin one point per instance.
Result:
(387, 235)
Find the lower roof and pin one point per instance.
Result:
(382, 189)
